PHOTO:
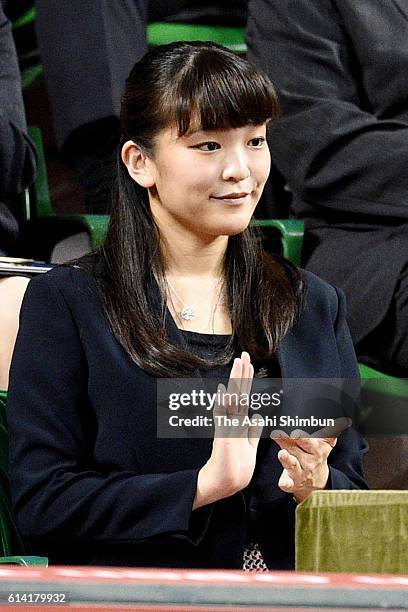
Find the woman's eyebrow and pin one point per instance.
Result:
(213, 133)
(199, 129)
(194, 131)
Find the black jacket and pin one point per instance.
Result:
(92, 482)
(341, 71)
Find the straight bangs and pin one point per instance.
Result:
(220, 91)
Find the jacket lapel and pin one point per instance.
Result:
(299, 356)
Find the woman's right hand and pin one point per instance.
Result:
(232, 461)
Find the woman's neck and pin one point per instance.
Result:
(196, 293)
(193, 256)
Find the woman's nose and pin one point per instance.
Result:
(236, 167)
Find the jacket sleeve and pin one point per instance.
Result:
(345, 460)
(17, 153)
(340, 69)
(272, 509)
(57, 490)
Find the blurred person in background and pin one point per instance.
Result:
(87, 48)
(341, 72)
(17, 171)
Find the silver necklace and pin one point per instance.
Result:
(189, 311)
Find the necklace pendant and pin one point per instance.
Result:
(188, 313)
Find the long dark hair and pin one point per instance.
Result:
(171, 85)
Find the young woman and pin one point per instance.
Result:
(180, 289)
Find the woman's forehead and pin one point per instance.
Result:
(171, 135)
(191, 120)
(199, 129)
(195, 123)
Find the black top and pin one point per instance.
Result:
(210, 345)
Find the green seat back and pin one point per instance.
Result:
(26, 18)
(37, 205)
(291, 234)
(29, 60)
(39, 193)
(162, 33)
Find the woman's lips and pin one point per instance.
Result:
(232, 198)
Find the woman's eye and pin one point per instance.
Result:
(257, 142)
(208, 146)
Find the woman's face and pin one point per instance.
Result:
(208, 182)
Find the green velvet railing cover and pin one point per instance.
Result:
(353, 531)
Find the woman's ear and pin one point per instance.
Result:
(139, 165)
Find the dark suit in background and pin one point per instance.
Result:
(341, 71)
(89, 46)
(88, 49)
(17, 154)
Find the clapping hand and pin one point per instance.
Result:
(233, 458)
(304, 458)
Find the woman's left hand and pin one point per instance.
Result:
(304, 462)
(304, 458)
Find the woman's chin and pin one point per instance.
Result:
(234, 226)
(222, 227)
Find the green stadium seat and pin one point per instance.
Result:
(290, 233)
(29, 59)
(42, 228)
(162, 33)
